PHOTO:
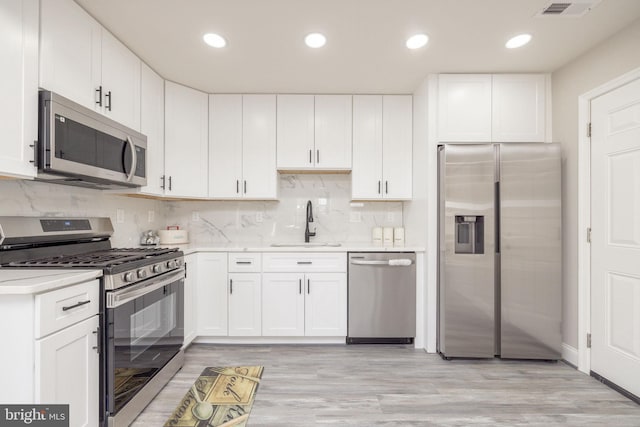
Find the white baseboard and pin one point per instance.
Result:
(570, 354)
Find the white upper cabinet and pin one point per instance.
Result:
(518, 108)
(120, 82)
(186, 141)
(314, 132)
(259, 174)
(19, 86)
(333, 127)
(295, 132)
(225, 146)
(382, 147)
(82, 61)
(492, 108)
(242, 144)
(464, 108)
(152, 125)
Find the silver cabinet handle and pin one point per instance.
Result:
(231, 286)
(310, 161)
(308, 286)
(71, 307)
(300, 286)
(162, 179)
(305, 262)
(245, 186)
(237, 186)
(386, 187)
(317, 156)
(379, 184)
(244, 262)
(169, 182)
(134, 158)
(97, 347)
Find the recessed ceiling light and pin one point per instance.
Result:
(315, 40)
(214, 40)
(417, 41)
(518, 41)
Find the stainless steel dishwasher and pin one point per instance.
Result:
(382, 297)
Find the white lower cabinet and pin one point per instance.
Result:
(325, 305)
(283, 304)
(190, 283)
(70, 353)
(245, 305)
(312, 304)
(211, 294)
(56, 360)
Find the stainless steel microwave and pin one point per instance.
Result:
(78, 146)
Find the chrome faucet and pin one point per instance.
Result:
(308, 233)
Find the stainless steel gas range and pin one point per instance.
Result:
(142, 302)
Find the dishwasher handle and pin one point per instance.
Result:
(401, 262)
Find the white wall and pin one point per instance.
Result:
(29, 198)
(614, 57)
(229, 222)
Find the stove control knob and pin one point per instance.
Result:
(157, 268)
(128, 277)
(179, 262)
(142, 274)
(171, 264)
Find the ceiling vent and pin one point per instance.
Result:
(573, 9)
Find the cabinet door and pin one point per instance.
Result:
(333, 126)
(67, 371)
(282, 304)
(186, 141)
(397, 146)
(518, 108)
(245, 304)
(19, 86)
(152, 125)
(260, 178)
(225, 146)
(211, 294)
(120, 82)
(464, 108)
(295, 132)
(366, 175)
(70, 51)
(190, 283)
(326, 304)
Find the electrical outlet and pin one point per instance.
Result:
(151, 216)
(355, 217)
(119, 216)
(259, 216)
(195, 216)
(390, 217)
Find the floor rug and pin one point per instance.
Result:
(220, 397)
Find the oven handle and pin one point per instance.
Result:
(118, 298)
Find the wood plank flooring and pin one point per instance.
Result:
(381, 385)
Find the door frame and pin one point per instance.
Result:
(584, 211)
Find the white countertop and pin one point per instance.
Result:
(261, 247)
(22, 281)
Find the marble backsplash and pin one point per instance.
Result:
(30, 198)
(216, 222)
(336, 218)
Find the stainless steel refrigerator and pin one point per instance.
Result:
(500, 251)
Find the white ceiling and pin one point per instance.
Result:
(365, 51)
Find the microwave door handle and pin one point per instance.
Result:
(134, 159)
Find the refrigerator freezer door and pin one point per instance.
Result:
(531, 251)
(466, 275)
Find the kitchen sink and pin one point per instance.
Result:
(306, 245)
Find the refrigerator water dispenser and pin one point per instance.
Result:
(469, 234)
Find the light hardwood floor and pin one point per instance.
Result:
(381, 385)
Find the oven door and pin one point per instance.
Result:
(145, 330)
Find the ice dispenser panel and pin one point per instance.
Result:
(469, 234)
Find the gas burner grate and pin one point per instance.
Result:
(108, 258)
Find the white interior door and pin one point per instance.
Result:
(615, 247)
